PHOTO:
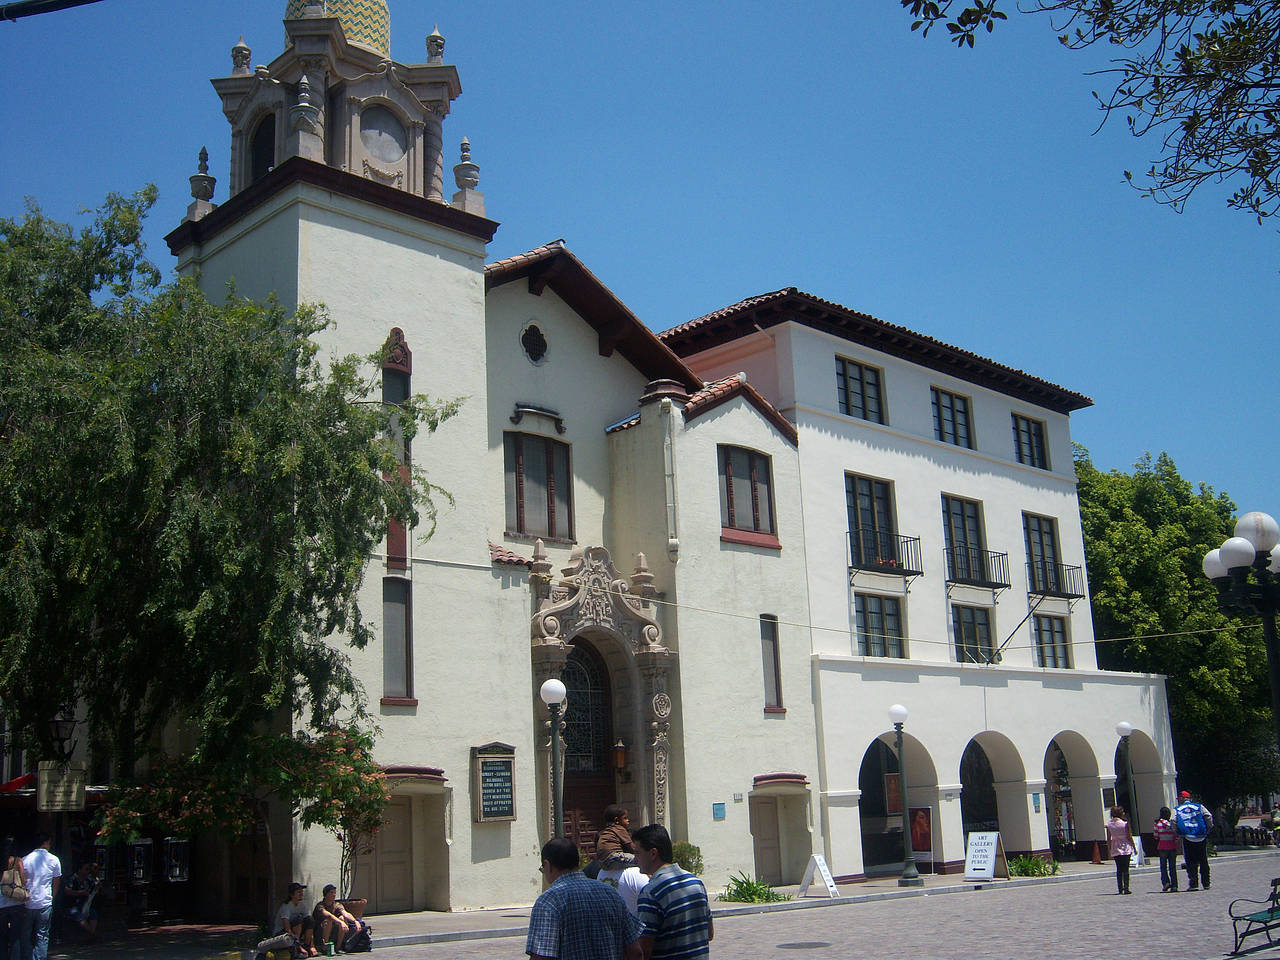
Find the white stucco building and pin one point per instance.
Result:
(735, 561)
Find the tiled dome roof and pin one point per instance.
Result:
(366, 22)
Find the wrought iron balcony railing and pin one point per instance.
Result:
(1052, 579)
(885, 552)
(979, 568)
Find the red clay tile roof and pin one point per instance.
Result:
(715, 393)
(626, 424)
(768, 309)
(500, 554)
(552, 264)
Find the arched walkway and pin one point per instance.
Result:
(1073, 806)
(993, 794)
(1144, 797)
(889, 800)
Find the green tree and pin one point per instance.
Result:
(1201, 76)
(188, 498)
(1145, 535)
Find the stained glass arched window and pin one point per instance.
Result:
(587, 722)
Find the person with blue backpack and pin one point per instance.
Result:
(1193, 823)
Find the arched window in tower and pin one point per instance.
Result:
(397, 367)
(262, 148)
(587, 722)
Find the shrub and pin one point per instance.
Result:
(688, 856)
(742, 889)
(1026, 865)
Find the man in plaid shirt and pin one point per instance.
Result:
(577, 918)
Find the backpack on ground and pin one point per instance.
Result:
(359, 941)
(1191, 821)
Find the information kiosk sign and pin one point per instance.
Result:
(493, 783)
(984, 859)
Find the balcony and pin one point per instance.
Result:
(884, 552)
(1052, 579)
(977, 568)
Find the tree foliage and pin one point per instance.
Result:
(188, 498)
(1202, 76)
(1145, 535)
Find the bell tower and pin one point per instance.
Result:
(334, 96)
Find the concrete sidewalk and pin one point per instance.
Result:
(402, 929)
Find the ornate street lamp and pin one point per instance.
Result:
(910, 875)
(1252, 551)
(553, 694)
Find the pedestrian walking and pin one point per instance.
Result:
(1120, 842)
(44, 878)
(13, 900)
(1193, 822)
(673, 905)
(577, 918)
(1167, 849)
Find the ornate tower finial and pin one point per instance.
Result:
(435, 46)
(201, 189)
(466, 174)
(240, 56)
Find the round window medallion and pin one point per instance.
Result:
(534, 343)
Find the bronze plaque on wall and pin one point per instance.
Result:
(493, 783)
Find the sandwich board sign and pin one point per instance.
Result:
(984, 858)
(818, 863)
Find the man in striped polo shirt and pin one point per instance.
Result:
(673, 905)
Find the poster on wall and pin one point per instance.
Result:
(893, 794)
(921, 820)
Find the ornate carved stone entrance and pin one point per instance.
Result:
(591, 601)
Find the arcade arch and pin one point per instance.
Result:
(993, 791)
(887, 799)
(1073, 798)
(1144, 797)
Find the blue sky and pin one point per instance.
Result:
(693, 154)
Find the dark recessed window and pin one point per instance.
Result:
(534, 343)
(539, 486)
(397, 638)
(972, 627)
(746, 490)
(1051, 641)
(262, 148)
(772, 662)
(879, 626)
(858, 390)
(1043, 560)
(951, 418)
(1028, 442)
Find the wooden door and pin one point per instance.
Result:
(764, 837)
(385, 875)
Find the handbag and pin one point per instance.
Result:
(13, 886)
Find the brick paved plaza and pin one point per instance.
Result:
(1072, 920)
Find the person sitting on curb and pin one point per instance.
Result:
(292, 918)
(332, 921)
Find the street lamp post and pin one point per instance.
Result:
(910, 875)
(1254, 550)
(553, 694)
(1124, 729)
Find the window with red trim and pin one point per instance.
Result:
(539, 486)
(397, 639)
(746, 491)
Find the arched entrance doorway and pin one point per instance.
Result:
(993, 791)
(588, 738)
(1072, 797)
(889, 798)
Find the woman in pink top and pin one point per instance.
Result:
(1120, 842)
(1167, 846)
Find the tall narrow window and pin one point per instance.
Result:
(962, 532)
(972, 626)
(879, 622)
(746, 490)
(869, 508)
(397, 368)
(1028, 442)
(1051, 641)
(397, 640)
(772, 663)
(539, 486)
(262, 148)
(951, 418)
(1041, 535)
(858, 390)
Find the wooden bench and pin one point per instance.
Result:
(1255, 916)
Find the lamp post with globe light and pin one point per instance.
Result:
(910, 875)
(553, 693)
(1244, 569)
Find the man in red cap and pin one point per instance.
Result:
(1193, 823)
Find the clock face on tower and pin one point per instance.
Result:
(382, 134)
